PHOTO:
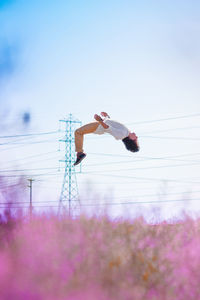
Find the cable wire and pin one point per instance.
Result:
(166, 119)
(29, 134)
(142, 202)
(142, 178)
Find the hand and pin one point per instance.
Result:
(97, 118)
(104, 114)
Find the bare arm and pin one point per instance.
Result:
(99, 119)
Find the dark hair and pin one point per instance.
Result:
(130, 144)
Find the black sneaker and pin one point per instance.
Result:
(79, 158)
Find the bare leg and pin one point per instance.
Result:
(79, 133)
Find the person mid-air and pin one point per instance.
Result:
(101, 126)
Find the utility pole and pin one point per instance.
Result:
(69, 199)
(30, 203)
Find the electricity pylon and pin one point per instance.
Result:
(69, 198)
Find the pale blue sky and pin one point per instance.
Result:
(137, 60)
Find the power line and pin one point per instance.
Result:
(115, 203)
(29, 134)
(158, 195)
(26, 144)
(55, 174)
(34, 169)
(142, 160)
(153, 167)
(54, 178)
(39, 160)
(171, 138)
(158, 120)
(166, 119)
(33, 175)
(145, 157)
(147, 136)
(172, 129)
(8, 186)
(30, 157)
(172, 156)
(35, 202)
(141, 178)
(16, 141)
(138, 196)
(142, 202)
(28, 206)
(35, 162)
(140, 122)
(100, 174)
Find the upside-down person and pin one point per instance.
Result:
(101, 126)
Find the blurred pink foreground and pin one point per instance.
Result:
(99, 259)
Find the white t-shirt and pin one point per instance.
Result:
(116, 129)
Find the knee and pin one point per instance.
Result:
(77, 131)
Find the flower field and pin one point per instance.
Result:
(99, 259)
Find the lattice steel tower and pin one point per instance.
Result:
(69, 198)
